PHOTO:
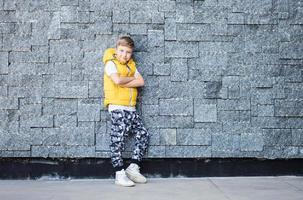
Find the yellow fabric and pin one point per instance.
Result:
(113, 93)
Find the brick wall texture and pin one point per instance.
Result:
(223, 78)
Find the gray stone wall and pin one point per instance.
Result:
(223, 77)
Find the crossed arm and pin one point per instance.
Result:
(129, 82)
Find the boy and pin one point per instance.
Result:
(121, 79)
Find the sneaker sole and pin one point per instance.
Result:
(117, 183)
(134, 179)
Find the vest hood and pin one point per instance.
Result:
(109, 54)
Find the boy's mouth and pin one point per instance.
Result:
(123, 60)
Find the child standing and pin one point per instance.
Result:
(121, 79)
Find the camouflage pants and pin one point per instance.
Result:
(123, 122)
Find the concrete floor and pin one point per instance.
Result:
(209, 188)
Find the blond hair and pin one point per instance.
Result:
(126, 41)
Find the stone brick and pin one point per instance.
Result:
(266, 110)
(64, 89)
(225, 144)
(179, 70)
(228, 116)
(176, 106)
(288, 108)
(65, 121)
(184, 13)
(3, 91)
(14, 141)
(204, 112)
(150, 110)
(156, 152)
(193, 137)
(291, 50)
(213, 90)
(269, 122)
(155, 38)
(120, 16)
(9, 103)
(95, 89)
(262, 96)
(59, 106)
(154, 138)
(238, 104)
(69, 14)
(298, 17)
(193, 32)
(277, 137)
(8, 16)
(54, 30)
(15, 43)
(4, 63)
(230, 81)
(252, 142)
(101, 5)
(291, 73)
(68, 136)
(168, 137)
(181, 49)
(168, 121)
(211, 14)
(198, 5)
(146, 61)
(140, 16)
(149, 95)
(102, 154)
(14, 153)
(187, 151)
(102, 137)
(294, 123)
(7, 28)
(280, 152)
(157, 17)
(46, 121)
(297, 137)
(30, 109)
(167, 6)
(170, 29)
(203, 72)
(64, 51)
(89, 111)
(69, 3)
(23, 68)
(236, 18)
(141, 43)
(63, 151)
(138, 29)
(8, 5)
(162, 69)
(190, 88)
(293, 91)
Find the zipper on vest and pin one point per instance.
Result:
(130, 89)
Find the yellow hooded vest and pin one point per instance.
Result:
(113, 93)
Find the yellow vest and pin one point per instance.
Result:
(113, 93)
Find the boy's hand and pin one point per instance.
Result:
(119, 80)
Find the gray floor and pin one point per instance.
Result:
(221, 188)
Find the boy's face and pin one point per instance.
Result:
(124, 54)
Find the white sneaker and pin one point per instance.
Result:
(123, 180)
(133, 174)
